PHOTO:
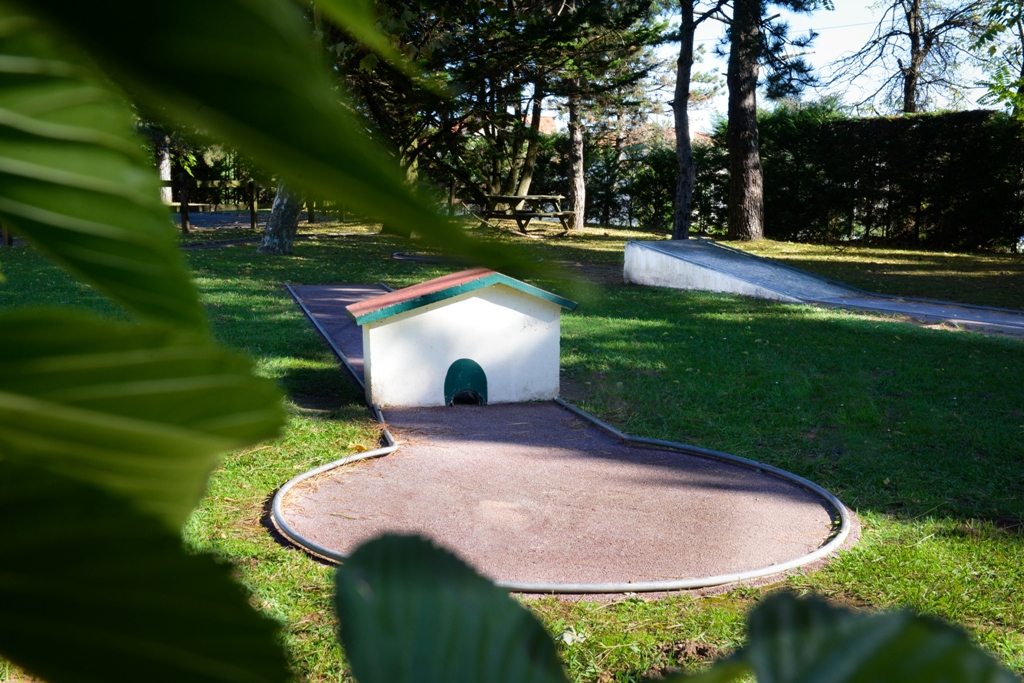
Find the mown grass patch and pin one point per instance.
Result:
(232, 522)
(31, 279)
(208, 228)
(980, 279)
(921, 431)
(888, 415)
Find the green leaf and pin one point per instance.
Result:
(805, 640)
(411, 611)
(139, 410)
(92, 590)
(245, 72)
(75, 180)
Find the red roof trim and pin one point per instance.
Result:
(439, 289)
(361, 308)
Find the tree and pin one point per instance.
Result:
(609, 54)
(619, 135)
(109, 430)
(690, 20)
(652, 171)
(918, 47)
(283, 224)
(500, 59)
(577, 182)
(164, 142)
(746, 187)
(492, 59)
(533, 139)
(755, 39)
(163, 162)
(1002, 40)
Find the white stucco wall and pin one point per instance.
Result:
(645, 266)
(513, 336)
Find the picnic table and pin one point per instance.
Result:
(184, 205)
(524, 208)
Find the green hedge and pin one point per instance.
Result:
(946, 181)
(950, 181)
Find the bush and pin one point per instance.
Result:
(653, 172)
(943, 181)
(711, 187)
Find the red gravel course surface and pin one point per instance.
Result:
(326, 303)
(530, 493)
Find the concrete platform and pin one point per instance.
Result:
(708, 266)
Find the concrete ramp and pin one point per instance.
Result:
(708, 266)
(704, 265)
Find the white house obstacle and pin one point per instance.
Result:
(474, 336)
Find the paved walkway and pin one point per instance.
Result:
(326, 305)
(530, 493)
(794, 284)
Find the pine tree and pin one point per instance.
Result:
(756, 40)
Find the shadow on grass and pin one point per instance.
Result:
(322, 388)
(923, 428)
(919, 430)
(890, 417)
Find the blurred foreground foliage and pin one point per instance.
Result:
(109, 430)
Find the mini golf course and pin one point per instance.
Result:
(542, 497)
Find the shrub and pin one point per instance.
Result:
(943, 181)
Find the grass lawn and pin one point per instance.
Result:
(920, 431)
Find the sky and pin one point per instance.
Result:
(841, 32)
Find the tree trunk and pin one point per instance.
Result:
(613, 180)
(1020, 76)
(912, 70)
(680, 107)
(283, 223)
(533, 145)
(516, 166)
(163, 162)
(746, 187)
(577, 182)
